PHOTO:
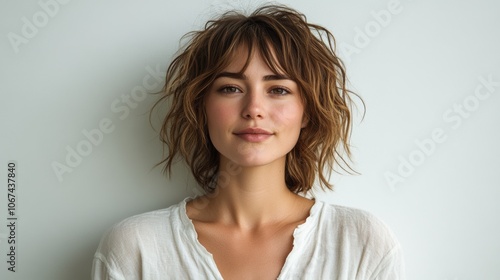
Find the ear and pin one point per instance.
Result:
(305, 121)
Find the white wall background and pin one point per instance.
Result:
(81, 60)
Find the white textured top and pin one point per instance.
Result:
(334, 242)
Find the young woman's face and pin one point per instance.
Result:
(255, 118)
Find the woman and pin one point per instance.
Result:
(259, 110)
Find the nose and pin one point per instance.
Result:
(253, 105)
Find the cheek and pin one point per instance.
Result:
(288, 116)
(218, 114)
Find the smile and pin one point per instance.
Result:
(254, 134)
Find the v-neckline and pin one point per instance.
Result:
(193, 234)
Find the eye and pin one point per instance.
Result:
(229, 89)
(280, 91)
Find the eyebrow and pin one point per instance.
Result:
(241, 76)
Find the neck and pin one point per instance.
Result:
(251, 197)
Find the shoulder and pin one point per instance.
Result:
(358, 222)
(363, 238)
(124, 245)
(142, 224)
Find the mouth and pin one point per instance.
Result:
(254, 135)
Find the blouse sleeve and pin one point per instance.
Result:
(100, 269)
(114, 258)
(392, 266)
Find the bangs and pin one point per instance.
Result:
(250, 35)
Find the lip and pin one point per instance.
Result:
(254, 134)
(253, 130)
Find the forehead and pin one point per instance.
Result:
(242, 56)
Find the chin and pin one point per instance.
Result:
(252, 160)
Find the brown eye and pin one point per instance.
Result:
(280, 91)
(229, 89)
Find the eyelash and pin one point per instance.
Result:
(284, 89)
(224, 90)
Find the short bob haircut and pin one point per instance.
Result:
(289, 45)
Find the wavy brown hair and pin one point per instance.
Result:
(289, 45)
